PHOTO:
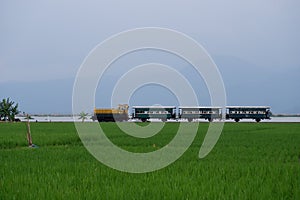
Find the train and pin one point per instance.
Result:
(111, 114)
(190, 113)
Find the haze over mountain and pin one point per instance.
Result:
(244, 86)
(255, 45)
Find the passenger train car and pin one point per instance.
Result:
(208, 113)
(189, 113)
(149, 112)
(248, 112)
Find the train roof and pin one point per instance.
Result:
(266, 107)
(153, 106)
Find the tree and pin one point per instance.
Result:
(8, 110)
(83, 116)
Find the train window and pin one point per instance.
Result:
(162, 112)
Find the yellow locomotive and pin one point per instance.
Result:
(111, 115)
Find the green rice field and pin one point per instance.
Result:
(250, 161)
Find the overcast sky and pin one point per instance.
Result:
(255, 45)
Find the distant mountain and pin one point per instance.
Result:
(39, 97)
(248, 84)
(245, 83)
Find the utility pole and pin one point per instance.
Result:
(28, 132)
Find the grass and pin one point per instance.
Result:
(250, 161)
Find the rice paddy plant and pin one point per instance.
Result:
(250, 161)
